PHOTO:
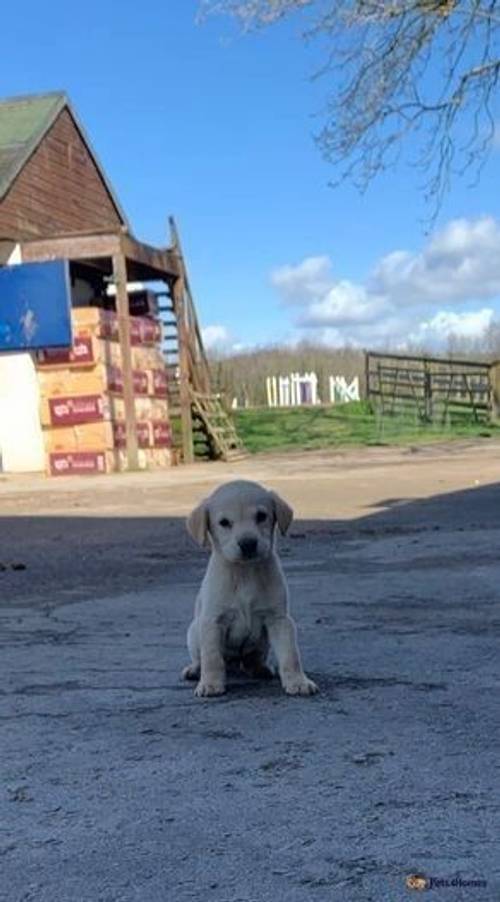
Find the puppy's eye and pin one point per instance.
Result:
(225, 523)
(261, 517)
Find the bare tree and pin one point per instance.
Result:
(419, 75)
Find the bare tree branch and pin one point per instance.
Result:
(419, 76)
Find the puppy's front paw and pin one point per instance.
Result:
(205, 689)
(300, 685)
(191, 672)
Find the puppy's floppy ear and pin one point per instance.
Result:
(283, 513)
(197, 524)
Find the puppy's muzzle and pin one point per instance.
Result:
(248, 547)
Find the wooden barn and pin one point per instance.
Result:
(135, 363)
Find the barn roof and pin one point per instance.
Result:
(24, 122)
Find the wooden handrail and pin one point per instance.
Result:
(194, 335)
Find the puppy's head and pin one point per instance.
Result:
(239, 521)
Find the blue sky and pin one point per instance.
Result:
(216, 127)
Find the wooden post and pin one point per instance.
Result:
(380, 389)
(122, 309)
(494, 376)
(184, 371)
(427, 392)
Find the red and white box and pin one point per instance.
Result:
(159, 383)
(162, 434)
(139, 378)
(80, 354)
(104, 324)
(144, 331)
(95, 321)
(76, 463)
(72, 411)
(120, 434)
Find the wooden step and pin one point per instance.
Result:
(234, 456)
(210, 418)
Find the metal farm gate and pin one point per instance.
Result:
(432, 388)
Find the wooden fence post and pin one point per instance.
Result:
(495, 389)
(380, 389)
(427, 392)
(122, 309)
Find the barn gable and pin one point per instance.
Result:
(51, 182)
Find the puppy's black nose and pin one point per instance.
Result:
(248, 547)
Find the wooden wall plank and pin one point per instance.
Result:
(59, 190)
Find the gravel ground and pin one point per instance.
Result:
(119, 786)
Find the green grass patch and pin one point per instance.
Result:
(302, 428)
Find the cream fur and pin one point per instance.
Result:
(242, 606)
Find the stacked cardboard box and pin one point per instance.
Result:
(81, 389)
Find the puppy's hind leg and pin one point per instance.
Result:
(192, 671)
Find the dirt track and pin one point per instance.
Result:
(352, 481)
(79, 537)
(112, 772)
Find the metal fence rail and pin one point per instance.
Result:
(432, 388)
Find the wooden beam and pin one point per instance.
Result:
(76, 248)
(162, 260)
(184, 372)
(122, 309)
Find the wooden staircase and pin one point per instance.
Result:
(214, 429)
(203, 427)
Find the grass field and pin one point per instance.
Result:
(264, 429)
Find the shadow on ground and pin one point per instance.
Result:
(118, 785)
(50, 560)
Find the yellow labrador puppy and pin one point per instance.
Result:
(242, 606)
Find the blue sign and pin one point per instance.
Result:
(35, 306)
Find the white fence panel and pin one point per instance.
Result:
(342, 391)
(293, 390)
(299, 389)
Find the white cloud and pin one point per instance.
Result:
(307, 280)
(408, 297)
(389, 331)
(446, 324)
(344, 304)
(459, 263)
(216, 338)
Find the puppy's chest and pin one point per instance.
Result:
(244, 617)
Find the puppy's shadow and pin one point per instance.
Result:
(245, 686)
(253, 691)
(242, 686)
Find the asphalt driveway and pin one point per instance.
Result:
(117, 785)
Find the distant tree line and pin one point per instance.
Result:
(243, 375)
